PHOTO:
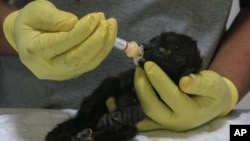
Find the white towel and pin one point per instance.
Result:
(33, 125)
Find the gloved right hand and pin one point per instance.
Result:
(54, 44)
(199, 98)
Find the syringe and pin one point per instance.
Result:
(131, 49)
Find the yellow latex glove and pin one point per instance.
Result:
(54, 44)
(200, 98)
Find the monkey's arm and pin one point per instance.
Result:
(90, 112)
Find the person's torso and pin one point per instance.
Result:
(138, 20)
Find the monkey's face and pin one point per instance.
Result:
(176, 54)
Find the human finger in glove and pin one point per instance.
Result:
(198, 99)
(54, 44)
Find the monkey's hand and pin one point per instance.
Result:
(126, 116)
(54, 44)
(198, 99)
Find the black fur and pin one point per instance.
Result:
(176, 54)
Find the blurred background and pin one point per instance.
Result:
(237, 4)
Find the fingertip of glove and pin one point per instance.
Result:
(39, 2)
(70, 21)
(149, 66)
(140, 78)
(185, 82)
(8, 25)
(138, 72)
(235, 96)
(112, 19)
(96, 16)
(101, 15)
(112, 22)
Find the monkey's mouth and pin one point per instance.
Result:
(139, 59)
(154, 55)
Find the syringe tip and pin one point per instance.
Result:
(133, 50)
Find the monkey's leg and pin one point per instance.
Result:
(80, 128)
(94, 107)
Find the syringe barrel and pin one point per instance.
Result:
(120, 44)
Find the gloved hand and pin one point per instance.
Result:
(198, 99)
(54, 44)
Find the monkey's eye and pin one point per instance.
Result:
(164, 51)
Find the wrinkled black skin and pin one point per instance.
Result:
(176, 54)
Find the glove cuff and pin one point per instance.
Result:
(234, 95)
(8, 25)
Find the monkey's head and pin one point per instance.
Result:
(176, 54)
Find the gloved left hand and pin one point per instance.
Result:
(54, 44)
(198, 99)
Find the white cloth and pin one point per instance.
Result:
(33, 125)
